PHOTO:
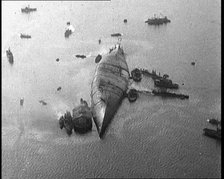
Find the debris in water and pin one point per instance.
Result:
(43, 102)
(57, 59)
(125, 20)
(192, 63)
(59, 88)
(99, 41)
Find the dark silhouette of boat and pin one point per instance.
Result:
(152, 74)
(80, 56)
(165, 93)
(110, 83)
(80, 120)
(213, 133)
(68, 32)
(132, 95)
(165, 83)
(22, 36)
(125, 20)
(158, 20)
(10, 56)
(28, 9)
(214, 121)
(116, 35)
(98, 58)
(136, 75)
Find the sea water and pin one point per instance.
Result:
(152, 137)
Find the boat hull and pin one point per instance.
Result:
(212, 133)
(108, 87)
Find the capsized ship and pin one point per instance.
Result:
(108, 87)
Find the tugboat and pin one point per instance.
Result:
(166, 83)
(9, 56)
(25, 36)
(164, 93)
(157, 20)
(28, 9)
(213, 133)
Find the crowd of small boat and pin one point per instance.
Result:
(81, 118)
(162, 82)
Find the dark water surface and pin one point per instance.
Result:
(152, 137)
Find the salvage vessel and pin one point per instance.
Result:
(108, 87)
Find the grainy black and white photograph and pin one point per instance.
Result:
(111, 89)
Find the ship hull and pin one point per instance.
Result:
(109, 84)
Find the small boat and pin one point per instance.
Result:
(132, 95)
(59, 88)
(42, 102)
(214, 121)
(68, 32)
(157, 20)
(66, 122)
(80, 120)
(28, 9)
(98, 58)
(212, 133)
(10, 56)
(116, 35)
(168, 94)
(151, 74)
(136, 75)
(125, 20)
(80, 56)
(193, 63)
(165, 83)
(22, 36)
